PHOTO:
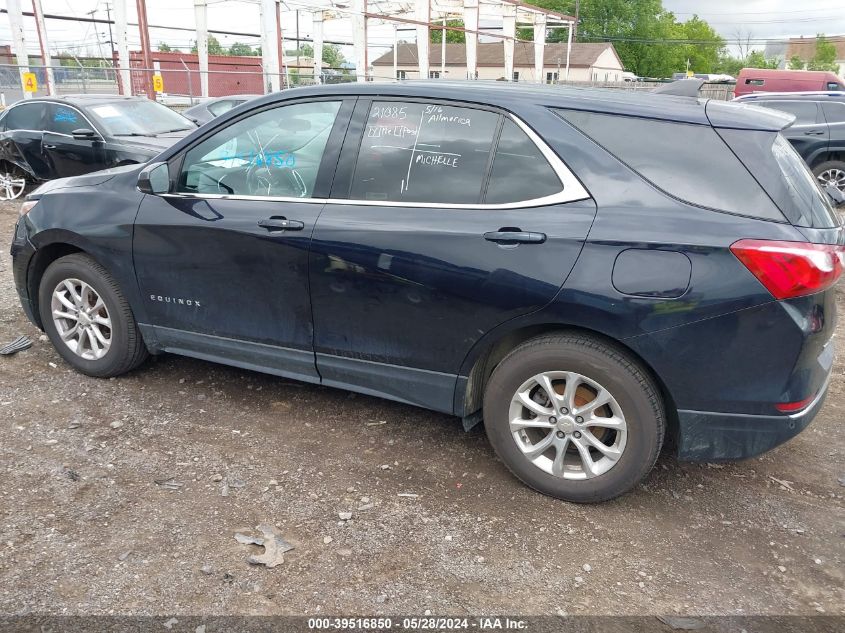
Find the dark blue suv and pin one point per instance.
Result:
(588, 272)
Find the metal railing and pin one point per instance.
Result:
(182, 86)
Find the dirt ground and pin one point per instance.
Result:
(437, 523)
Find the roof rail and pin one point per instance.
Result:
(681, 88)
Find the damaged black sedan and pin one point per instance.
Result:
(42, 139)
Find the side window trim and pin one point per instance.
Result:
(571, 188)
(488, 172)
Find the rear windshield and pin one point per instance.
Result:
(808, 197)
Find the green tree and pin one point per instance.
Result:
(241, 49)
(164, 47)
(732, 65)
(825, 56)
(650, 41)
(435, 35)
(756, 59)
(703, 57)
(214, 47)
(796, 63)
(331, 54)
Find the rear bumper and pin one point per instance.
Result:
(706, 436)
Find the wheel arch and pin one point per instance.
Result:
(470, 392)
(826, 156)
(43, 257)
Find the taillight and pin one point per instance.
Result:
(791, 269)
(792, 407)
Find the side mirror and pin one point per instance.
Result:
(84, 134)
(837, 196)
(154, 179)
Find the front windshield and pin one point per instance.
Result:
(139, 118)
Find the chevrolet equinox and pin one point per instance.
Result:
(588, 272)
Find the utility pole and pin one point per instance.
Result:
(99, 44)
(297, 39)
(577, 15)
(44, 45)
(443, 51)
(146, 53)
(19, 41)
(111, 37)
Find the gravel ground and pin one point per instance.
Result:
(436, 521)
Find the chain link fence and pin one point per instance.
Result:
(183, 87)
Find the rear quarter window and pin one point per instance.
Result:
(785, 176)
(688, 162)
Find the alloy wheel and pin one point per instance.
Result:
(11, 186)
(81, 318)
(833, 176)
(568, 425)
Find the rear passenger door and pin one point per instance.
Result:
(809, 134)
(20, 140)
(445, 221)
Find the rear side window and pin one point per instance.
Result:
(806, 112)
(422, 152)
(520, 172)
(688, 162)
(27, 116)
(755, 82)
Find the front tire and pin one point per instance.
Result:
(87, 318)
(574, 417)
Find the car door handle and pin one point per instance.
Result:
(281, 224)
(49, 146)
(814, 133)
(505, 236)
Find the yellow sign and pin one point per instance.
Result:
(158, 83)
(30, 82)
(690, 73)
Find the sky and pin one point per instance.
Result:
(757, 19)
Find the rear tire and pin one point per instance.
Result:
(87, 318)
(630, 425)
(831, 172)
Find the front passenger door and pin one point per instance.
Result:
(222, 260)
(69, 156)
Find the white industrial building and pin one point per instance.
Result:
(587, 62)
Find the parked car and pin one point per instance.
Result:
(204, 112)
(47, 138)
(587, 271)
(818, 132)
(765, 80)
